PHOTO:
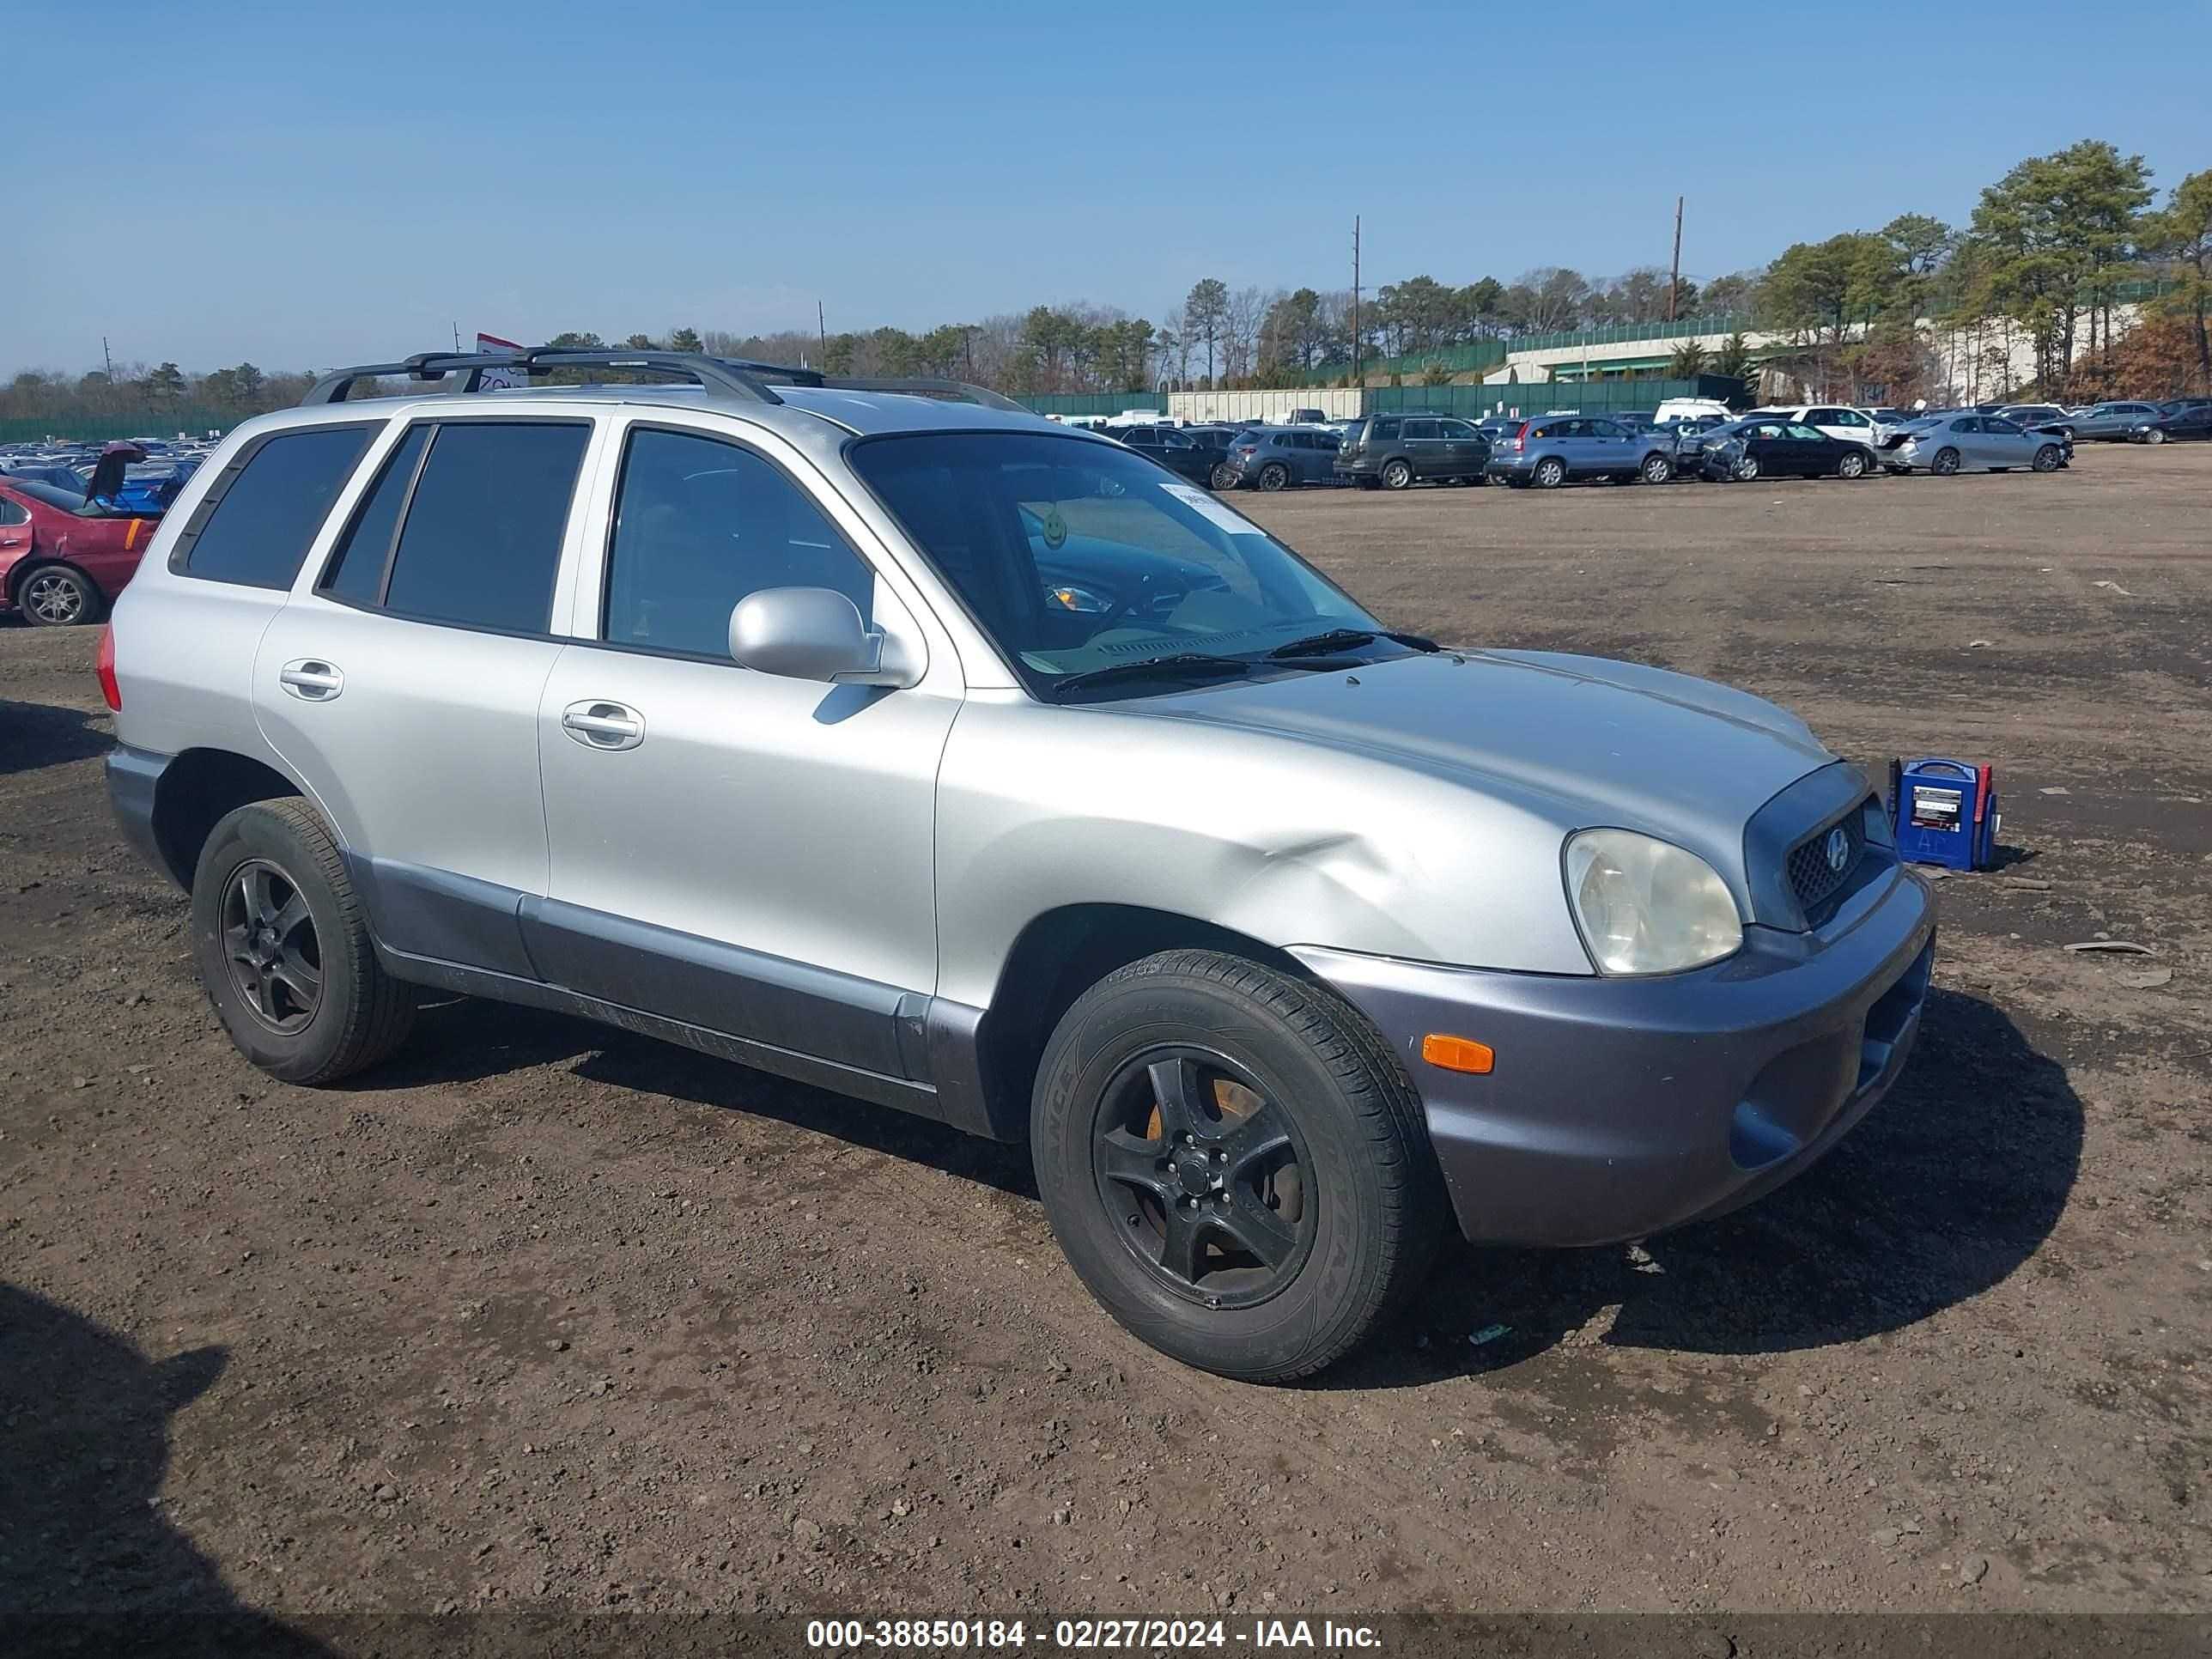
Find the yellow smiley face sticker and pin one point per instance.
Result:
(1054, 528)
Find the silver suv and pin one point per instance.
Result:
(922, 749)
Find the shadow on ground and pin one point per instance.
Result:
(1946, 1188)
(87, 1564)
(36, 734)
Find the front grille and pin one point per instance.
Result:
(1813, 880)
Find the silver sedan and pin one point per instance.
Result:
(1944, 444)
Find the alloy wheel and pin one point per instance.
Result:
(1746, 469)
(1204, 1176)
(270, 944)
(53, 596)
(1397, 475)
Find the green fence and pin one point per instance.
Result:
(1541, 396)
(164, 422)
(1090, 402)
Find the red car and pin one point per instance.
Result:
(58, 563)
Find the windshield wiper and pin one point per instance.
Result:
(1180, 665)
(1345, 639)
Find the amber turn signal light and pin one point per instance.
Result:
(1457, 1053)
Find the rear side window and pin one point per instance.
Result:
(1386, 429)
(357, 572)
(699, 525)
(13, 513)
(480, 545)
(1421, 429)
(255, 526)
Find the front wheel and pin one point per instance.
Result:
(2155, 435)
(1853, 466)
(2047, 459)
(280, 940)
(1274, 475)
(55, 596)
(1656, 469)
(1945, 463)
(1745, 471)
(1234, 1164)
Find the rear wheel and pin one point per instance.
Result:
(1853, 466)
(55, 596)
(2047, 459)
(1945, 463)
(1656, 469)
(280, 940)
(1234, 1165)
(1274, 475)
(1397, 475)
(1224, 477)
(1551, 473)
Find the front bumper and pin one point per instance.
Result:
(1618, 1108)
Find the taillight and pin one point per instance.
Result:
(105, 667)
(1521, 438)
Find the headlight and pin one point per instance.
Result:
(1646, 907)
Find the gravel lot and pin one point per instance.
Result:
(545, 1314)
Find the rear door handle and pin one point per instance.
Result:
(310, 679)
(600, 725)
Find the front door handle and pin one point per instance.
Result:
(599, 724)
(312, 680)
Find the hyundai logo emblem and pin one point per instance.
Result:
(1839, 848)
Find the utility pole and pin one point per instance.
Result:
(1358, 370)
(1675, 278)
(821, 330)
(107, 361)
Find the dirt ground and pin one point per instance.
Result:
(546, 1315)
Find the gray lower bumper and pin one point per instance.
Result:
(1618, 1108)
(134, 775)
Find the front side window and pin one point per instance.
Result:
(480, 545)
(701, 523)
(1074, 556)
(256, 528)
(1457, 429)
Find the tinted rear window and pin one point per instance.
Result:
(357, 571)
(482, 544)
(257, 529)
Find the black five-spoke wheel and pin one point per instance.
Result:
(276, 960)
(1205, 1176)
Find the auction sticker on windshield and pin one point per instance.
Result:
(1211, 510)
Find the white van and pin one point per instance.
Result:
(1690, 409)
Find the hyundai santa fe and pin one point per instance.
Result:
(888, 738)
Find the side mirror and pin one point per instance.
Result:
(816, 633)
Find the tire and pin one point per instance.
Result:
(58, 596)
(1224, 477)
(277, 859)
(1349, 1165)
(1551, 472)
(2047, 459)
(1745, 471)
(2155, 435)
(1369, 483)
(1946, 463)
(1853, 466)
(1397, 475)
(1656, 470)
(1274, 475)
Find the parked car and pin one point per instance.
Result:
(1570, 951)
(2112, 422)
(2174, 422)
(1277, 457)
(1688, 436)
(1305, 417)
(1764, 448)
(1972, 443)
(1682, 409)
(61, 560)
(55, 475)
(1553, 450)
(1844, 424)
(1396, 452)
(1176, 450)
(2049, 418)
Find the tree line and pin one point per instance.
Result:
(2048, 257)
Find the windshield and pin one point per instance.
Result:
(1075, 556)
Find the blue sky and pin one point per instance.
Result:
(308, 183)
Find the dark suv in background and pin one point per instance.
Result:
(1276, 456)
(1396, 452)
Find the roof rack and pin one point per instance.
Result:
(732, 376)
(713, 374)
